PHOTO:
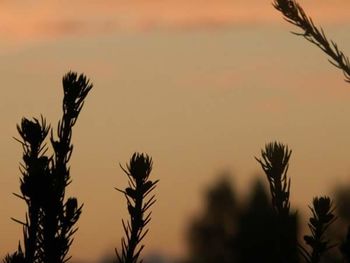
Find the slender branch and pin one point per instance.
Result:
(322, 217)
(60, 216)
(275, 162)
(138, 172)
(294, 14)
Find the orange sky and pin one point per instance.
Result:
(199, 85)
(35, 20)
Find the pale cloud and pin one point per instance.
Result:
(40, 20)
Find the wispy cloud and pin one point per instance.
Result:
(37, 20)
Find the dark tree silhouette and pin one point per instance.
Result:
(211, 236)
(233, 231)
(257, 229)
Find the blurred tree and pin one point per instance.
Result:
(232, 231)
(257, 228)
(342, 203)
(211, 235)
(338, 230)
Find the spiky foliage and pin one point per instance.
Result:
(322, 217)
(274, 161)
(60, 215)
(294, 14)
(139, 201)
(49, 224)
(16, 257)
(33, 184)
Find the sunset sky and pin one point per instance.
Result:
(200, 85)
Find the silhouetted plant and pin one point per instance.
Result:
(138, 202)
(322, 217)
(16, 257)
(50, 220)
(60, 216)
(294, 14)
(275, 161)
(33, 184)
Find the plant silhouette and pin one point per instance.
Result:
(50, 219)
(138, 201)
(275, 162)
(258, 231)
(34, 171)
(322, 217)
(295, 14)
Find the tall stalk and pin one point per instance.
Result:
(34, 170)
(59, 215)
(322, 217)
(138, 202)
(275, 162)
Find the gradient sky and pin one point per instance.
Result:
(201, 85)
